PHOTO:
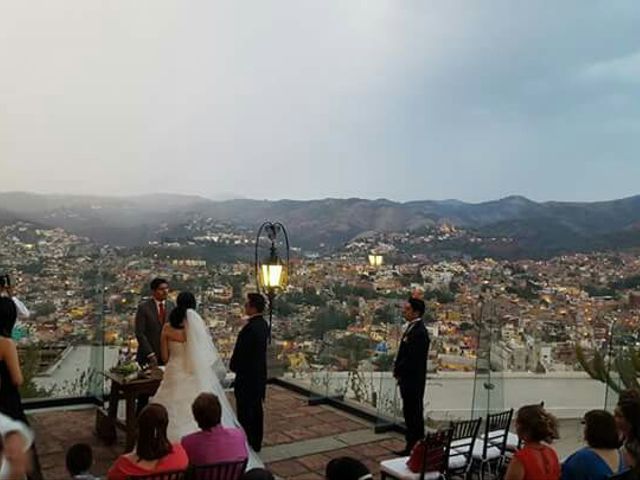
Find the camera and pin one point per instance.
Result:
(5, 281)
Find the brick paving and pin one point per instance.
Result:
(289, 421)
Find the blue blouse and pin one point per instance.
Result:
(586, 464)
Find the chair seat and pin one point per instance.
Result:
(512, 440)
(492, 452)
(397, 468)
(457, 461)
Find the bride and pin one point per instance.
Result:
(192, 366)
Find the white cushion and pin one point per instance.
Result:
(512, 439)
(492, 452)
(458, 461)
(397, 467)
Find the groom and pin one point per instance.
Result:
(249, 362)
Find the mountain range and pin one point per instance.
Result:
(538, 229)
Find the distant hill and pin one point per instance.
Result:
(540, 229)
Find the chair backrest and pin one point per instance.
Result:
(436, 452)
(496, 430)
(171, 475)
(219, 471)
(464, 437)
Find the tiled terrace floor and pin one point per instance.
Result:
(299, 440)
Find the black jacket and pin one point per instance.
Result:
(249, 359)
(148, 329)
(411, 362)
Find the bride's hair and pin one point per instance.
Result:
(186, 301)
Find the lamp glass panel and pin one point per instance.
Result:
(271, 275)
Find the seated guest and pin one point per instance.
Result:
(347, 468)
(631, 454)
(15, 440)
(627, 415)
(213, 443)
(257, 474)
(536, 460)
(601, 458)
(153, 453)
(79, 460)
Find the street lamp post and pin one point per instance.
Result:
(272, 272)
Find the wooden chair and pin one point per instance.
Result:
(490, 452)
(437, 446)
(218, 471)
(465, 435)
(171, 475)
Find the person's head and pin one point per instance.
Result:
(185, 301)
(631, 454)
(347, 468)
(600, 430)
(413, 308)
(255, 304)
(8, 316)
(627, 414)
(153, 443)
(535, 424)
(257, 474)
(79, 459)
(159, 289)
(206, 411)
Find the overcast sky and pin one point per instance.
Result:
(472, 100)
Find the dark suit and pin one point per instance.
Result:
(249, 362)
(148, 329)
(410, 370)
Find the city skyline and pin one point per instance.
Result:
(473, 101)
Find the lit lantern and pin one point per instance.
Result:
(375, 259)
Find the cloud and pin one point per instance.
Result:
(306, 99)
(625, 69)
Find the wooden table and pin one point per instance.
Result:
(107, 420)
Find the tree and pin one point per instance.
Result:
(44, 309)
(384, 362)
(330, 318)
(625, 363)
(30, 364)
(385, 314)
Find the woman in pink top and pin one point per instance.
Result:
(153, 453)
(536, 460)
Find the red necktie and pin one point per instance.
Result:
(161, 312)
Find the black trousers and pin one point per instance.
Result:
(413, 410)
(251, 416)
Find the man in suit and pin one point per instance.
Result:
(410, 371)
(249, 362)
(150, 318)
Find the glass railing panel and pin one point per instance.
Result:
(55, 275)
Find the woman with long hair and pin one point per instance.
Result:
(537, 460)
(154, 453)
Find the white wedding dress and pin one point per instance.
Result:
(194, 367)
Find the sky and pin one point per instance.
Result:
(269, 99)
